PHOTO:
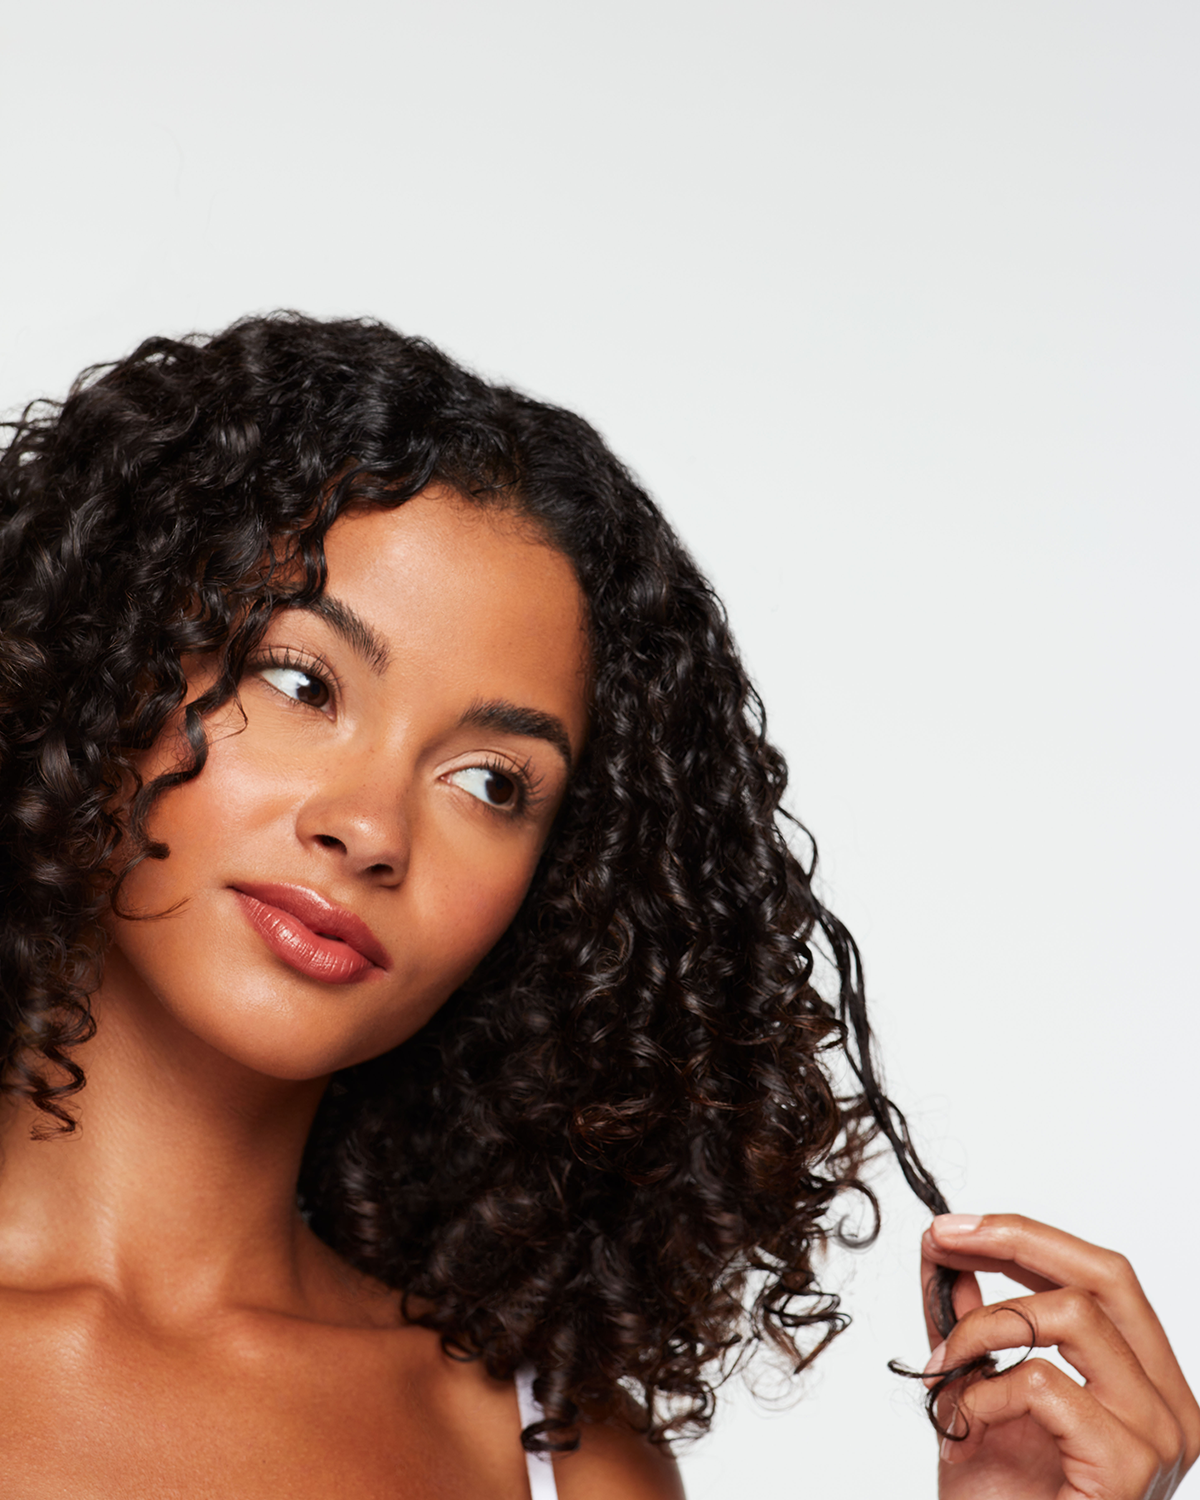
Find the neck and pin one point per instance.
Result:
(177, 1191)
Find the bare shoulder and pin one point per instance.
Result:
(473, 1414)
(615, 1461)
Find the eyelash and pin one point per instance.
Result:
(297, 661)
(523, 777)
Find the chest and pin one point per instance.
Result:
(99, 1412)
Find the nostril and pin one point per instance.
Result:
(327, 841)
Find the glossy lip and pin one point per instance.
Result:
(310, 933)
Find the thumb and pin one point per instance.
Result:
(966, 1296)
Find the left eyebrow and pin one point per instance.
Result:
(354, 630)
(511, 718)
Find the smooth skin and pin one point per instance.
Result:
(1129, 1431)
(169, 1327)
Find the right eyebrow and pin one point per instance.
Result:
(354, 630)
(511, 718)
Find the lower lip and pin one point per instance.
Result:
(302, 949)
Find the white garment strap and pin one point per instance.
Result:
(541, 1471)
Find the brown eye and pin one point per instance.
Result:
(500, 789)
(487, 784)
(298, 684)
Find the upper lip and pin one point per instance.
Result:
(322, 916)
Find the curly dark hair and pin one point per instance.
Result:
(614, 1151)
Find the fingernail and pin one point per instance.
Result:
(947, 1450)
(950, 1226)
(936, 1360)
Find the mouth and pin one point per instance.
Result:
(311, 934)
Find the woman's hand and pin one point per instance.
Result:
(1129, 1432)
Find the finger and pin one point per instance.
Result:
(1073, 1321)
(966, 1296)
(941, 1255)
(1098, 1453)
(1038, 1250)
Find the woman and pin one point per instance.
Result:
(392, 844)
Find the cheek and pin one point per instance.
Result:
(243, 787)
(207, 824)
(471, 915)
(460, 923)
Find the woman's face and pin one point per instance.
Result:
(346, 858)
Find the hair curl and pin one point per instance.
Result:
(613, 1153)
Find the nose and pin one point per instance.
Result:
(361, 820)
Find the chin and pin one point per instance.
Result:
(293, 1044)
(281, 1028)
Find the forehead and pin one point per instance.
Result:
(467, 598)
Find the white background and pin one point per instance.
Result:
(893, 304)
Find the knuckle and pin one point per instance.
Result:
(1191, 1437)
(1144, 1466)
(1038, 1376)
(1170, 1442)
(1078, 1307)
(1117, 1269)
